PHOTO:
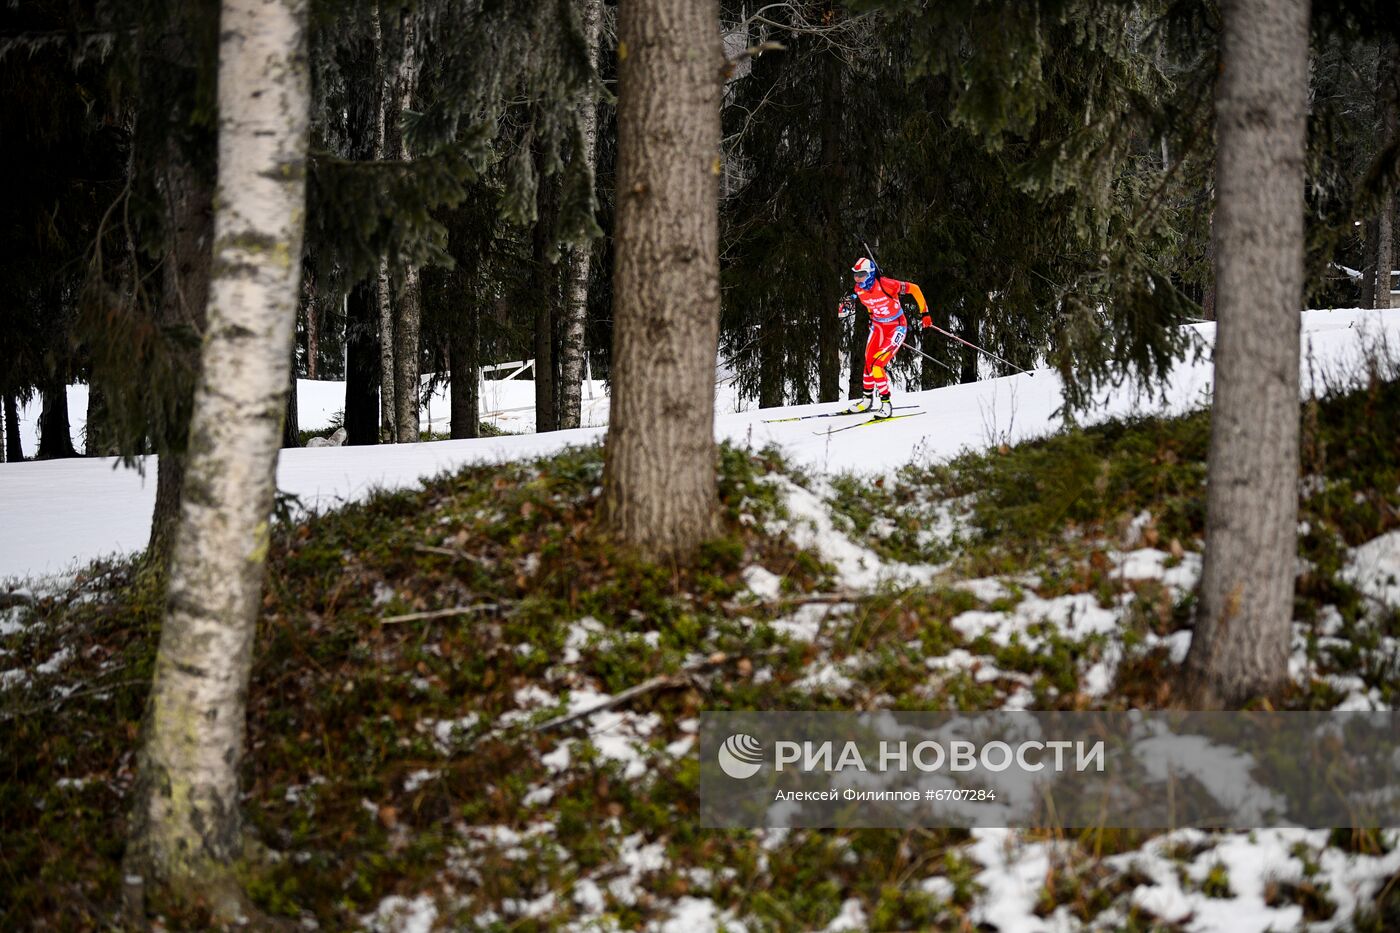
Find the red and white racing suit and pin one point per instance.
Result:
(888, 328)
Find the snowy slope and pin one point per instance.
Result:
(56, 514)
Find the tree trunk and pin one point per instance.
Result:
(931, 375)
(570, 407)
(14, 450)
(770, 360)
(98, 438)
(860, 335)
(406, 334)
(570, 400)
(1368, 274)
(466, 406)
(313, 322)
(829, 326)
(165, 515)
(1208, 302)
(186, 830)
(388, 403)
(543, 293)
(291, 430)
(1384, 254)
(55, 434)
(188, 190)
(659, 489)
(1242, 638)
(408, 306)
(1388, 102)
(970, 328)
(361, 365)
(388, 382)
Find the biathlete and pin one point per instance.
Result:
(888, 328)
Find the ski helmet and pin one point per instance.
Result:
(864, 271)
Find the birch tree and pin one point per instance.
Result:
(659, 489)
(571, 348)
(1242, 639)
(186, 829)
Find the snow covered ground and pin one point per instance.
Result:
(60, 514)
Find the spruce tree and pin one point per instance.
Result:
(1243, 629)
(659, 485)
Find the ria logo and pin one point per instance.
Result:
(741, 756)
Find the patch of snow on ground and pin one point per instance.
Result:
(57, 660)
(417, 779)
(396, 914)
(1013, 874)
(579, 635)
(762, 582)
(828, 678)
(810, 527)
(1076, 616)
(851, 917)
(1374, 568)
(805, 622)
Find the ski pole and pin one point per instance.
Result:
(980, 350)
(927, 357)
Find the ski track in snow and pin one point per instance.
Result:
(62, 514)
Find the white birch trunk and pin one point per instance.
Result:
(576, 291)
(186, 827)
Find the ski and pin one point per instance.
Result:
(831, 414)
(912, 414)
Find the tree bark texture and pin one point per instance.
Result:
(312, 299)
(1243, 628)
(408, 300)
(575, 310)
(1388, 102)
(186, 828)
(14, 450)
(659, 487)
(55, 437)
(388, 404)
